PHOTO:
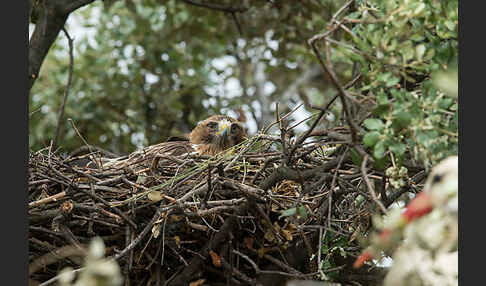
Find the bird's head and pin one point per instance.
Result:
(217, 133)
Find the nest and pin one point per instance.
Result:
(248, 216)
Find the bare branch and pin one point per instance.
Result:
(66, 91)
(370, 187)
(211, 6)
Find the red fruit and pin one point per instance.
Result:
(419, 206)
(365, 256)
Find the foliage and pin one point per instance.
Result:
(400, 44)
(153, 69)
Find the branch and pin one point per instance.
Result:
(370, 187)
(217, 7)
(330, 71)
(284, 172)
(303, 137)
(66, 91)
(74, 5)
(52, 18)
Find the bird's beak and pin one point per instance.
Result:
(223, 128)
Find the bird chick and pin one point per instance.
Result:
(215, 134)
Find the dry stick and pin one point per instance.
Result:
(283, 131)
(247, 147)
(279, 263)
(239, 274)
(368, 184)
(66, 91)
(302, 138)
(303, 120)
(128, 266)
(283, 117)
(341, 92)
(54, 256)
(48, 199)
(55, 278)
(237, 23)
(329, 207)
(259, 271)
(144, 232)
(103, 201)
(79, 134)
(217, 7)
(210, 188)
(265, 165)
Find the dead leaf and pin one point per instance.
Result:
(156, 230)
(215, 257)
(197, 282)
(355, 234)
(261, 252)
(248, 242)
(269, 235)
(287, 234)
(177, 241)
(155, 196)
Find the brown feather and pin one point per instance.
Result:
(203, 139)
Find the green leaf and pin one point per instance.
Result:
(374, 124)
(450, 25)
(288, 212)
(371, 138)
(379, 149)
(380, 110)
(401, 120)
(392, 81)
(380, 164)
(302, 212)
(420, 51)
(398, 148)
(446, 102)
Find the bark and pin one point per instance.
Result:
(51, 18)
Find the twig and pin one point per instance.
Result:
(302, 138)
(370, 187)
(247, 147)
(283, 131)
(282, 118)
(66, 90)
(48, 199)
(237, 23)
(54, 256)
(103, 201)
(217, 7)
(80, 136)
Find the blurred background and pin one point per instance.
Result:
(147, 70)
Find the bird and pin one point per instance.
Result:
(209, 137)
(216, 134)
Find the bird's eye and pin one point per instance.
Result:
(235, 127)
(212, 125)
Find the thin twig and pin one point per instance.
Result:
(217, 7)
(66, 90)
(370, 187)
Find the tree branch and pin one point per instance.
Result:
(229, 9)
(66, 91)
(74, 5)
(52, 18)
